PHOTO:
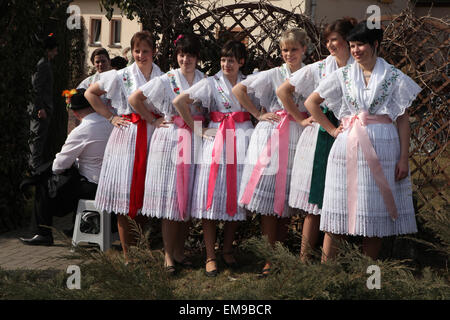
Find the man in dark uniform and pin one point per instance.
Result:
(42, 107)
(75, 170)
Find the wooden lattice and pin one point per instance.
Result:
(259, 25)
(420, 48)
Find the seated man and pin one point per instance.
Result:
(79, 162)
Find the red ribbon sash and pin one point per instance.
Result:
(227, 125)
(140, 163)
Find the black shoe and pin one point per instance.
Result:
(212, 273)
(38, 240)
(185, 263)
(170, 270)
(232, 265)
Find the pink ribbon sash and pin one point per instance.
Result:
(282, 131)
(227, 124)
(358, 134)
(183, 161)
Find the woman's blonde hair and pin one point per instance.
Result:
(293, 35)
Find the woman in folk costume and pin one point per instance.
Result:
(367, 188)
(121, 184)
(267, 172)
(218, 175)
(101, 62)
(310, 161)
(170, 166)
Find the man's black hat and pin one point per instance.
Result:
(78, 101)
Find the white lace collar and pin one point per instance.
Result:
(373, 96)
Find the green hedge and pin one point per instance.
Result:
(22, 25)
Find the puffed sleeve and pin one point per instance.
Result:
(89, 80)
(303, 81)
(403, 95)
(157, 94)
(330, 90)
(85, 83)
(201, 93)
(260, 86)
(109, 82)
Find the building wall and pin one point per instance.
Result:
(91, 9)
(329, 10)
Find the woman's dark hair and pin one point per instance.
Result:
(187, 43)
(99, 51)
(142, 36)
(234, 49)
(342, 26)
(118, 63)
(362, 33)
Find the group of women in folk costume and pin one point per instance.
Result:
(184, 146)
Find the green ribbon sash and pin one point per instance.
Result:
(323, 147)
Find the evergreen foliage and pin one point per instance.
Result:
(24, 24)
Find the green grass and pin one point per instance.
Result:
(105, 276)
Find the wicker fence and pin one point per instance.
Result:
(420, 48)
(259, 26)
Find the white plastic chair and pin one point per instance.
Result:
(104, 238)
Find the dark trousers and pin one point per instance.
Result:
(38, 138)
(65, 201)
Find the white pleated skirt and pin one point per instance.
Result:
(302, 169)
(263, 197)
(372, 217)
(217, 211)
(113, 191)
(160, 199)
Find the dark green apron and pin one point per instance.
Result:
(323, 147)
